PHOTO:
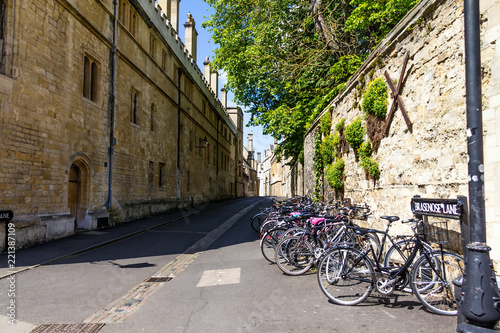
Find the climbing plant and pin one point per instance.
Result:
(329, 148)
(334, 174)
(318, 166)
(325, 123)
(375, 99)
(374, 106)
(366, 162)
(354, 134)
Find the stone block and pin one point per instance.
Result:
(58, 226)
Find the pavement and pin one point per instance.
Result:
(83, 241)
(45, 253)
(222, 283)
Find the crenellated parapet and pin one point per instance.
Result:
(160, 18)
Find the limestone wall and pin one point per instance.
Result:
(430, 158)
(51, 131)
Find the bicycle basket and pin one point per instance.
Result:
(436, 232)
(359, 212)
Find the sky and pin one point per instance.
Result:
(200, 10)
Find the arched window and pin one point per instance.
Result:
(153, 111)
(90, 78)
(134, 108)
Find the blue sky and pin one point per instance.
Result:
(200, 10)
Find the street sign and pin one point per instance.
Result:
(447, 208)
(6, 215)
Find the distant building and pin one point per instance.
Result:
(277, 178)
(250, 166)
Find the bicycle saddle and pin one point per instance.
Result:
(390, 218)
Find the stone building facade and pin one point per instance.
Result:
(85, 146)
(429, 157)
(277, 178)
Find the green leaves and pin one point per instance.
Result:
(375, 98)
(286, 60)
(329, 148)
(334, 174)
(354, 133)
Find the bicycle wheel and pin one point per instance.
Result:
(294, 255)
(269, 241)
(431, 281)
(400, 251)
(345, 276)
(256, 221)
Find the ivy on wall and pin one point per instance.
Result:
(318, 166)
(325, 123)
(370, 166)
(374, 105)
(330, 147)
(354, 134)
(328, 156)
(330, 150)
(334, 174)
(375, 98)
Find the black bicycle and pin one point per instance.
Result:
(347, 275)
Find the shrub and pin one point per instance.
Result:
(325, 124)
(375, 99)
(329, 148)
(335, 174)
(354, 134)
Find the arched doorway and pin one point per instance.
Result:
(79, 171)
(74, 192)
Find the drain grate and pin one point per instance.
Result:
(159, 279)
(68, 328)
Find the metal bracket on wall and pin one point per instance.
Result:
(396, 97)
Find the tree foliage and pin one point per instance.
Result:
(285, 60)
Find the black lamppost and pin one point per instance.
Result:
(481, 303)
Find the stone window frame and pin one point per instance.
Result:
(123, 12)
(3, 19)
(135, 107)
(153, 115)
(133, 26)
(91, 75)
(152, 45)
(164, 60)
(162, 176)
(151, 176)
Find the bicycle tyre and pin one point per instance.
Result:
(294, 255)
(340, 281)
(431, 281)
(400, 251)
(269, 241)
(256, 221)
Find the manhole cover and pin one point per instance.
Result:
(68, 328)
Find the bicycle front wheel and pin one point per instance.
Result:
(294, 255)
(431, 281)
(345, 275)
(257, 221)
(269, 241)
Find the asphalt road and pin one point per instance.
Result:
(208, 276)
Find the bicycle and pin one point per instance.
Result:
(347, 275)
(297, 253)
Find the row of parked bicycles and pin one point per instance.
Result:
(351, 261)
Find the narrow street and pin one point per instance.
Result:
(203, 273)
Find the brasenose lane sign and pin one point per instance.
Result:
(447, 208)
(6, 215)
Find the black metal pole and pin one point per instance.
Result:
(178, 169)
(480, 294)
